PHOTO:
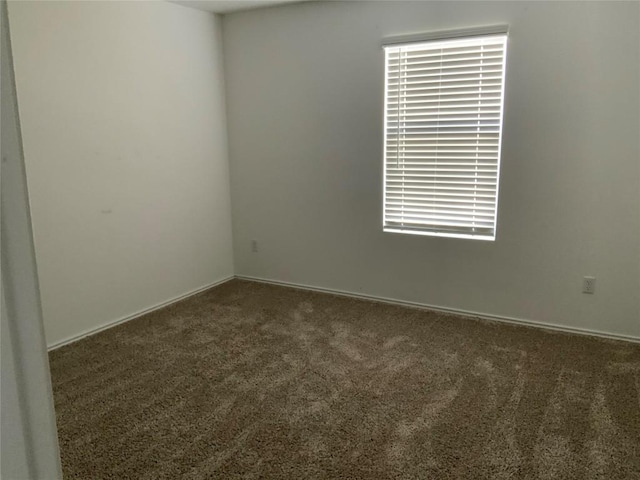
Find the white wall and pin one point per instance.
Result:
(28, 435)
(123, 119)
(304, 96)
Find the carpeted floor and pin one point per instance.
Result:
(249, 380)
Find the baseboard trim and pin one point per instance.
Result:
(437, 308)
(346, 293)
(113, 323)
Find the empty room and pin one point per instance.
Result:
(320, 240)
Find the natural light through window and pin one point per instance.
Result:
(443, 125)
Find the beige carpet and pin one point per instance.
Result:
(255, 381)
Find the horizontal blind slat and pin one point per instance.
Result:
(470, 52)
(420, 195)
(462, 206)
(478, 73)
(431, 213)
(420, 90)
(444, 221)
(450, 92)
(445, 63)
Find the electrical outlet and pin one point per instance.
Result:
(254, 246)
(589, 285)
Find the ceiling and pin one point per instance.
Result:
(228, 6)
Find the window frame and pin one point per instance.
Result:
(443, 36)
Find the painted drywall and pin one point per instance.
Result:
(28, 432)
(123, 120)
(304, 108)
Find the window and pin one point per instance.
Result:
(443, 124)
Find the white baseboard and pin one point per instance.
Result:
(118, 321)
(344, 293)
(437, 308)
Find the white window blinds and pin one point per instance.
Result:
(443, 122)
